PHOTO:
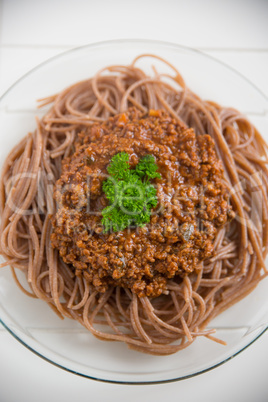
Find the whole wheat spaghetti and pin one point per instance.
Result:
(170, 322)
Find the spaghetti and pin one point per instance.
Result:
(170, 322)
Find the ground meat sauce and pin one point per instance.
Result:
(192, 204)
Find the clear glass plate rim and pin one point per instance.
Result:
(133, 41)
(22, 342)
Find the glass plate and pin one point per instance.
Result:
(65, 343)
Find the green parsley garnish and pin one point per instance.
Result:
(131, 196)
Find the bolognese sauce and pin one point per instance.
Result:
(192, 204)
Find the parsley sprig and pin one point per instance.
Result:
(131, 196)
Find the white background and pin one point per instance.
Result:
(234, 31)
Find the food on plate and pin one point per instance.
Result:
(132, 208)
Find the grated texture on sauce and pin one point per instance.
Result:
(192, 204)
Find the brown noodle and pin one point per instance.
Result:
(168, 323)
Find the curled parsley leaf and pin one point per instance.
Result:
(131, 196)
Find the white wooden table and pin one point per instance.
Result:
(234, 31)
